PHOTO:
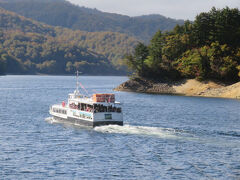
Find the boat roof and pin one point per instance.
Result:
(87, 100)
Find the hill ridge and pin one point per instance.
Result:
(75, 17)
(32, 47)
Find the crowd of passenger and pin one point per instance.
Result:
(95, 108)
(102, 108)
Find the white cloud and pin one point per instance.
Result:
(179, 9)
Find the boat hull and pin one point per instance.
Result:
(83, 122)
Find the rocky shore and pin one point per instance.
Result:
(188, 87)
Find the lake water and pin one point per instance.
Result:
(164, 137)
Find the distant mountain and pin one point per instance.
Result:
(65, 14)
(28, 47)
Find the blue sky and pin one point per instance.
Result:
(178, 9)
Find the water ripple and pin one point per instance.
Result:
(164, 137)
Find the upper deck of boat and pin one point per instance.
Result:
(88, 100)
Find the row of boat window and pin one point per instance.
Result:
(95, 108)
(82, 116)
(61, 111)
(102, 108)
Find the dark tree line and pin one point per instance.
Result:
(208, 48)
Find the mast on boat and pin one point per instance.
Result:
(76, 92)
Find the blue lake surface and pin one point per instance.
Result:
(164, 137)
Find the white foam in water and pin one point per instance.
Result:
(165, 133)
(51, 120)
(138, 130)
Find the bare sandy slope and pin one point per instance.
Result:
(189, 87)
(192, 87)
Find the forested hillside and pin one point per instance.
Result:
(65, 14)
(27, 46)
(208, 48)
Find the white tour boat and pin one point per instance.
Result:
(98, 110)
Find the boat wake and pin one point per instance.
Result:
(166, 133)
(159, 132)
(51, 120)
(156, 132)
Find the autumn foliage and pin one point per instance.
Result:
(207, 48)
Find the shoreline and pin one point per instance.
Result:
(186, 87)
(58, 75)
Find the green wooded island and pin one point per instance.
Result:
(207, 49)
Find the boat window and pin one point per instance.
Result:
(108, 116)
(110, 108)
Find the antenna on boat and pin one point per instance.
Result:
(77, 84)
(77, 80)
(77, 92)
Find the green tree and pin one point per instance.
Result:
(69, 67)
(136, 61)
(223, 62)
(140, 55)
(47, 67)
(155, 48)
(3, 64)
